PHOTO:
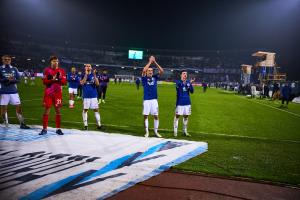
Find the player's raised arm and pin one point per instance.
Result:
(160, 69)
(147, 66)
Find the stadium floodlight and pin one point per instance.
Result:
(97, 65)
(134, 68)
(122, 67)
(28, 59)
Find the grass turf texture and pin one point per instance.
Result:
(248, 138)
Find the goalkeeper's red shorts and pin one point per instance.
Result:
(54, 99)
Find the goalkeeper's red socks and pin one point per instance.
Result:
(45, 121)
(57, 120)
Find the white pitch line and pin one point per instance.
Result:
(295, 114)
(204, 133)
(74, 122)
(31, 100)
(240, 136)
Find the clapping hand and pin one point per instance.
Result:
(11, 78)
(151, 59)
(95, 72)
(56, 76)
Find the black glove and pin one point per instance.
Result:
(49, 77)
(57, 76)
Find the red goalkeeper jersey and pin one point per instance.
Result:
(53, 87)
(53, 80)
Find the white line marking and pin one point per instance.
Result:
(32, 100)
(295, 114)
(204, 133)
(240, 136)
(75, 122)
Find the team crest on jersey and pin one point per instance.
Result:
(91, 81)
(150, 81)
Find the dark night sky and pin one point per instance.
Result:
(203, 25)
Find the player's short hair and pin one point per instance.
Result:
(184, 70)
(53, 58)
(6, 56)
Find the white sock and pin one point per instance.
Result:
(176, 124)
(85, 118)
(156, 124)
(20, 118)
(185, 122)
(146, 125)
(97, 116)
(71, 102)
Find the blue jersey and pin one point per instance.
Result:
(150, 87)
(183, 92)
(89, 89)
(9, 86)
(286, 92)
(73, 80)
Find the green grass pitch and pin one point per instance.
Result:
(248, 138)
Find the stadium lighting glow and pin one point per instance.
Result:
(43, 60)
(122, 67)
(134, 68)
(196, 72)
(97, 65)
(13, 57)
(172, 70)
(28, 59)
